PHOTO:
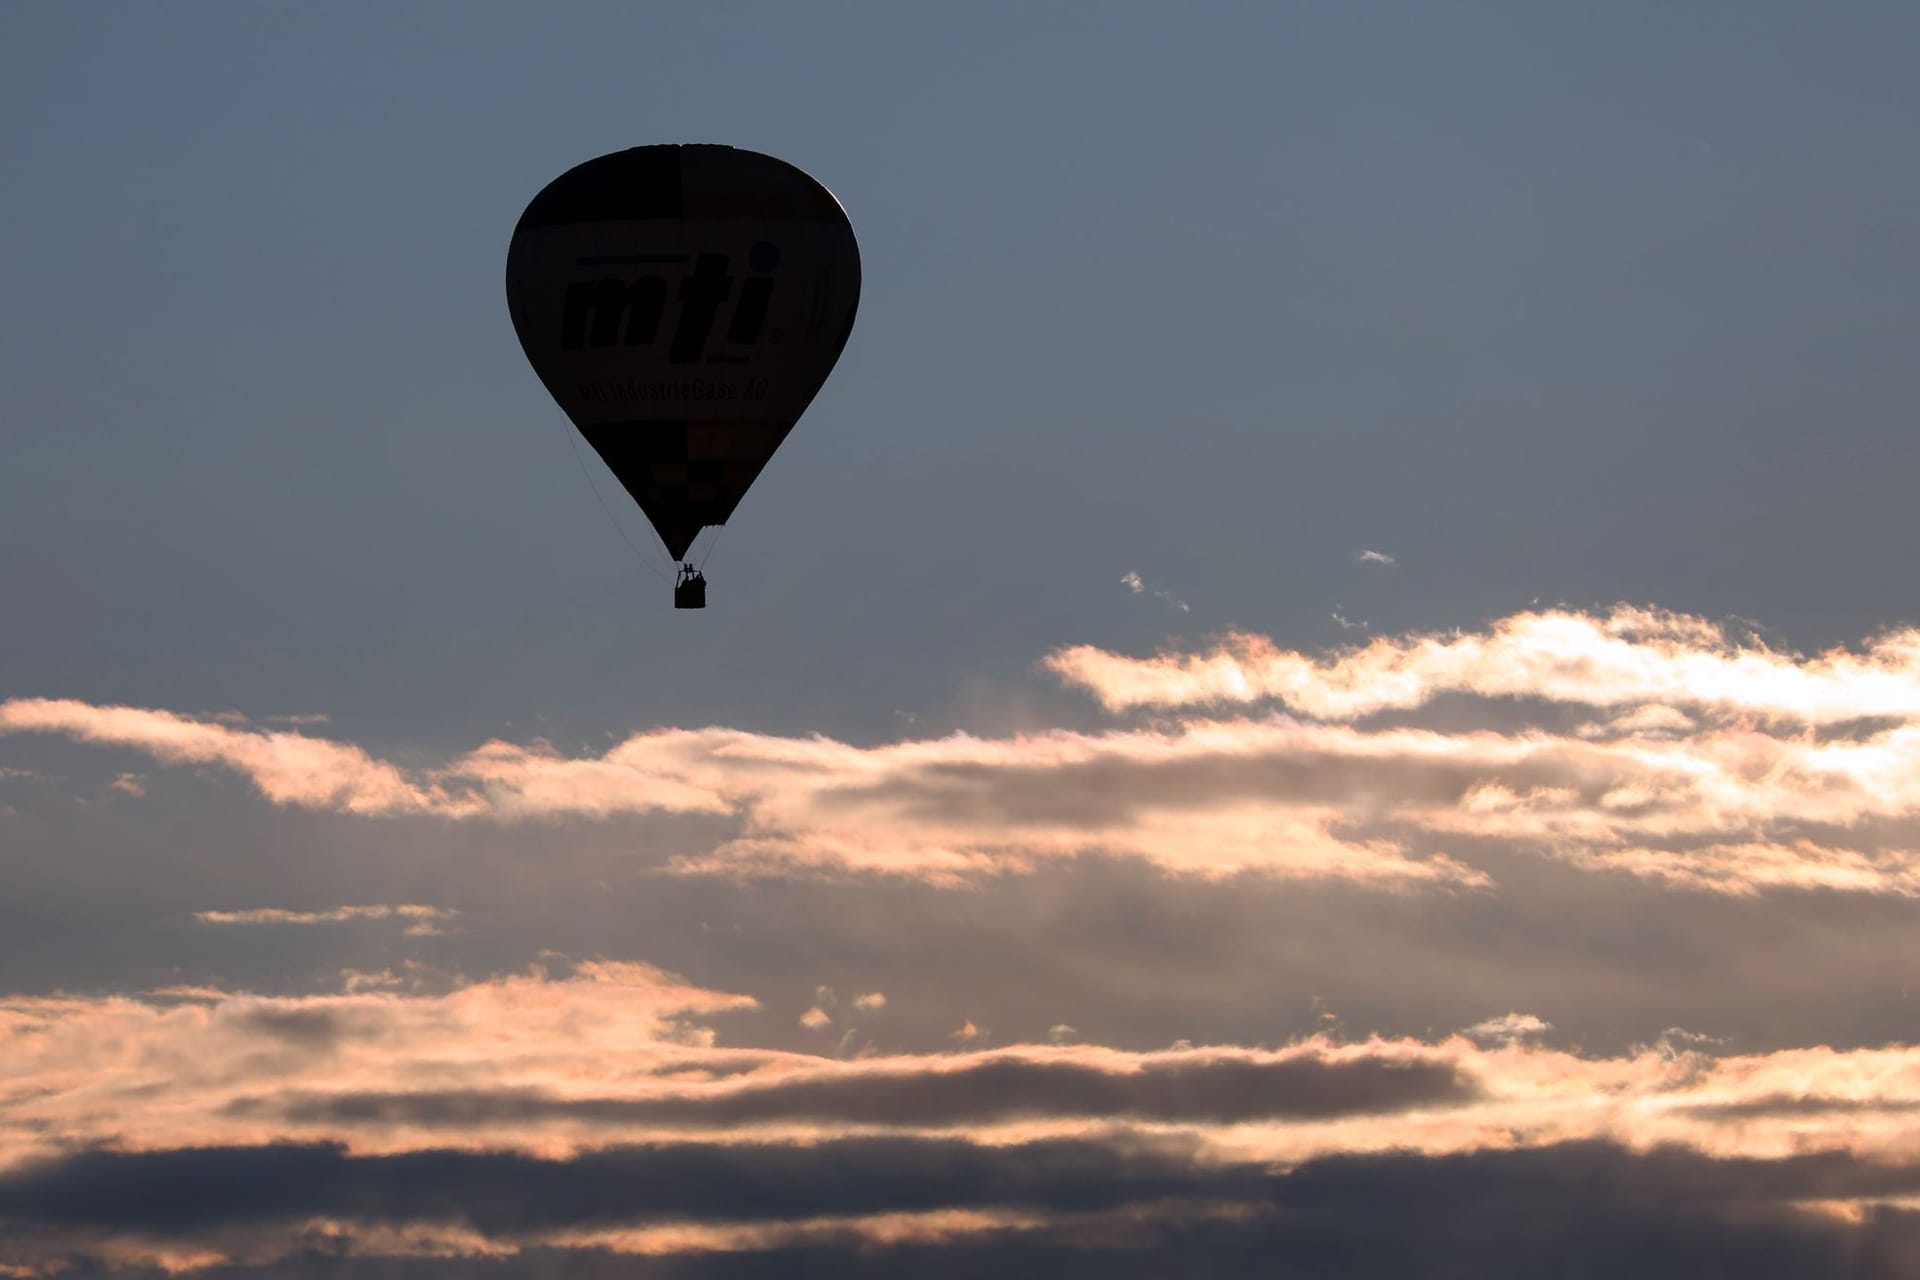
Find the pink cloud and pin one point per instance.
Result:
(289, 768)
(1724, 788)
(623, 1055)
(1624, 658)
(617, 1053)
(332, 915)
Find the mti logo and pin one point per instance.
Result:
(609, 311)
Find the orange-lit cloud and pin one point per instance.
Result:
(1640, 743)
(289, 768)
(1625, 658)
(75, 1069)
(620, 1058)
(613, 1053)
(413, 912)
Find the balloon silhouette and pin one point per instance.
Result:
(684, 304)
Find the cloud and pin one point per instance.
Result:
(498, 780)
(608, 1053)
(807, 805)
(77, 1069)
(1380, 558)
(1508, 1027)
(289, 768)
(261, 1204)
(1510, 827)
(1623, 659)
(1636, 743)
(353, 980)
(918, 1094)
(203, 1126)
(815, 1018)
(1137, 585)
(1087, 1201)
(333, 915)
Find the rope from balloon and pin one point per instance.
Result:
(712, 544)
(573, 440)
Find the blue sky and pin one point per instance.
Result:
(1583, 304)
(1594, 322)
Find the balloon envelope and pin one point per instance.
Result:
(683, 304)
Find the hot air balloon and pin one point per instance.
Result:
(684, 304)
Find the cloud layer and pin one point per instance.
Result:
(1629, 657)
(841, 1101)
(196, 1128)
(1643, 743)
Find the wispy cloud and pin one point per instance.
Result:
(1380, 558)
(1508, 1027)
(1639, 743)
(1135, 583)
(411, 912)
(925, 809)
(74, 1069)
(1625, 658)
(289, 768)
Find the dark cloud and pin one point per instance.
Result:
(1115, 788)
(315, 1030)
(1221, 1090)
(1802, 1105)
(178, 1193)
(1576, 1211)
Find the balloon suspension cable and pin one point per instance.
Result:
(712, 543)
(573, 440)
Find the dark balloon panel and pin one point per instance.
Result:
(684, 304)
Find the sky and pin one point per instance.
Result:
(1331, 686)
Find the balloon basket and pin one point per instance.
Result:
(690, 592)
